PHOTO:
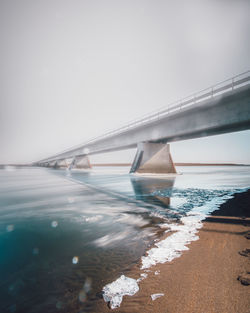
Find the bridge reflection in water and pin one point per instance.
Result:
(144, 188)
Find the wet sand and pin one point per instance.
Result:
(204, 278)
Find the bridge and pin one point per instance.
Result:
(222, 108)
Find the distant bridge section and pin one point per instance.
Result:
(222, 108)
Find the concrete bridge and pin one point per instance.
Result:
(222, 108)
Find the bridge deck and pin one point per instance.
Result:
(222, 108)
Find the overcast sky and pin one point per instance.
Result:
(72, 69)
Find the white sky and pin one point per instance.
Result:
(71, 70)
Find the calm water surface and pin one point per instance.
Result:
(64, 235)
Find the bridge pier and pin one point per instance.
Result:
(153, 158)
(61, 164)
(81, 162)
(52, 164)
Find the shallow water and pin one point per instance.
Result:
(64, 235)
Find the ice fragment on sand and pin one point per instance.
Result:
(123, 286)
(156, 295)
(143, 276)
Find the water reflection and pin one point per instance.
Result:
(144, 187)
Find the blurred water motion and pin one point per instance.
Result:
(63, 235)
(61, 241)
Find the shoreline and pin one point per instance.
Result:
(204, 278)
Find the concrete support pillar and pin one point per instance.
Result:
(81, 162)
(61, 164)
(153, 158)
(52, 164)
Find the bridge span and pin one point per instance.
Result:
(222, 108)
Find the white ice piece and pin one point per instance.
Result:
(114, 292)
(143, 276)
(156, 295)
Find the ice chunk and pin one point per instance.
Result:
(114, 292)
(143, 276)
(156, 295)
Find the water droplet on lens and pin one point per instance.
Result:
(82, 296)
(86, 150)
(59, 305)
(71, 200)
(10, 228)
(11, 288)
(75, 260)
(35, 251)
(87, 285)
(54, 224)
(13, 308)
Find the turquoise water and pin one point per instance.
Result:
(64, 235)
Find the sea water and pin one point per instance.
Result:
(65, 236)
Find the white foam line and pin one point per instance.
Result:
(172, 247)
(165, 250)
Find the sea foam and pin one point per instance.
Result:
(168, 249)
(184, 233)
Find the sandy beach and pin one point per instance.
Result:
(205, 278)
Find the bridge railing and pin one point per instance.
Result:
(205, 94)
